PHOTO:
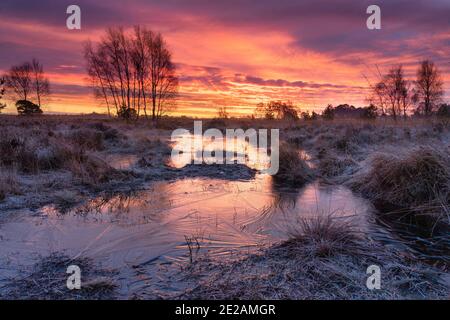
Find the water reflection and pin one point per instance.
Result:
(155, 227)
(208, 152)
(152, 225)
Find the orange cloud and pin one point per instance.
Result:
(254, 53)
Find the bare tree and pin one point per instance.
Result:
(376, 97)
(110, 69)
(101, 76)
(429, 86)
(407, 97)
(40, 83)
(140, 57)
(163, 82)
(263, 111)
(95, 74)
(277, 110)
(133, 72)
(115, 48)
(20, 80)
(379, 98)
(222, 113)
(392, 94)
(391, 88)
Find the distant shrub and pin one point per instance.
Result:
(276, 110)
(328, 113)
(127, 113)
(297, 140)
(307, 116)
(369, 112)
(25, 108)
(444, 111)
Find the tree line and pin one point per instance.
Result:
(279, 110)
(392, 95)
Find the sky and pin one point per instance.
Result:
(236, 53)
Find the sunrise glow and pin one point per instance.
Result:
(237, 55)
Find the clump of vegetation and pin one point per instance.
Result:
(8, 183)
(370, 112)
(352, 138)
(91, 169)
(27, 108)
(293, 169)
(444, 111)
(417, 178)
(306, 116)
(222, 113)
(109, 134)
(16, 152)
(328, 113)
(88, 138)
(33, 152)
(276, 110)
(322, 236)
(295, 141)
(331, 165)
(325, 259)
(48, 281)
(126, 113)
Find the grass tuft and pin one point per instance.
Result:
(418, 178)
(293, 170)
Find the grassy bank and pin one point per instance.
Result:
(324, 259)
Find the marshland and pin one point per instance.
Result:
(103, 193)
(348, 199)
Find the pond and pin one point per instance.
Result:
(170, 223)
